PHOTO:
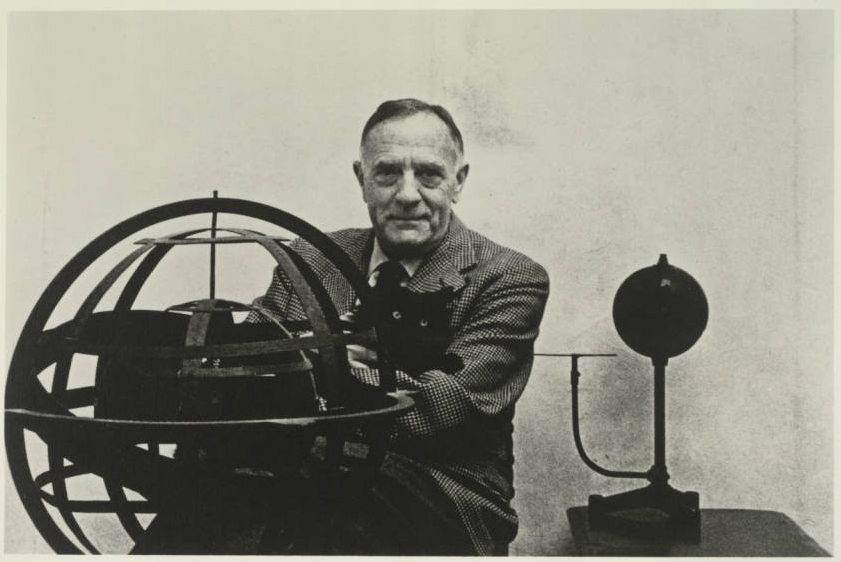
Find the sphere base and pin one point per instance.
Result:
(655, 511)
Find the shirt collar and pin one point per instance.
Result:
(378, 257)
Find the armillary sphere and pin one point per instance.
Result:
(186, 403)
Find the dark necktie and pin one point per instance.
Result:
(391, 276)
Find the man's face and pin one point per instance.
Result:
(411, 173)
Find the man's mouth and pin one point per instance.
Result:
(409, 218)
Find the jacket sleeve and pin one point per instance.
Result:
(277, 299)
(494, 344)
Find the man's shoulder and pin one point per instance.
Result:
(350, 237)
(346, 238)
(491, 255)
(352, 241)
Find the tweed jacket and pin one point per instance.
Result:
(461, 425)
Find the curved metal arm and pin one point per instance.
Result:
(574, 375)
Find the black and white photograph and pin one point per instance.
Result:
(399, 280)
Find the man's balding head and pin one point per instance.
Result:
(395, 109)
(411, 172)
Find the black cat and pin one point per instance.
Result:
(416, 328)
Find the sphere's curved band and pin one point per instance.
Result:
(221, 349)
(161, 431)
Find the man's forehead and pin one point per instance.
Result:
(421, 131)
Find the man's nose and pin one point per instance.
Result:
(408, 191)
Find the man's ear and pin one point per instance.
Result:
(461, 177)
(357, 171)
(360, 177)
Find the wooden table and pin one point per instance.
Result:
(724, 532)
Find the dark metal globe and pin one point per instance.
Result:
(242, 404)
(660, 311)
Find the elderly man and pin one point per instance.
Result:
(466, 347)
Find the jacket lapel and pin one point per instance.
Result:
(445, 265)
(358, 248)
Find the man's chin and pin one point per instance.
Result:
(406, 245)
(404, 236)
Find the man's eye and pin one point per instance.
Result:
(429, 178)
(385, 178)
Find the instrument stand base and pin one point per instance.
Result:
(655, 511)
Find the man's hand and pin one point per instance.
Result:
(359, 356)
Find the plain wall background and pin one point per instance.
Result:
(597, 140)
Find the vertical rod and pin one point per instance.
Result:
(213, 250)
(660, 417)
